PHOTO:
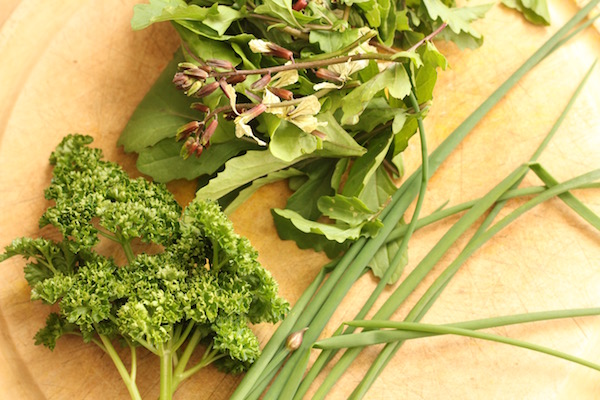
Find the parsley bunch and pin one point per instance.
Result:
(205, 285)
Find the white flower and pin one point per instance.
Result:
(303, 115)
(241, 123)
(259, 46)
(284, 78)
(230, 93)
(344, 70)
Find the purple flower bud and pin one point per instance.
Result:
(182, 81)
(189, 147)
(207, 89)
(328, 75)
(223, 64)
(300, 5)
(225, 88)
(281, 93)
(187, 129)
(208, 132)
(200, 107)
(197, 73)
(235, 79)
(281, 52)
(261, 83)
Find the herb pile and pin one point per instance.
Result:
(325, 95)
(315, 92)
(204, 286)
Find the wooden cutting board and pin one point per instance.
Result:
(75, 66)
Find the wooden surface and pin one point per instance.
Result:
(75, 66)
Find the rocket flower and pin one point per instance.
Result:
(302, 115)
(241, 123)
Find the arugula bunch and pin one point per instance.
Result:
(311, 91)
(204, 285)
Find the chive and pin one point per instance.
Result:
(433, 292)
(567, 197)
(450, 330)
(387, 353)
(378, 336)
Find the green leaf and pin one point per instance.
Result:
(319, 173)
(206, 49)
(145, 15)
(409, 128)
(425, 83)
(338, 233)
(220, 17)
(330, 41)
(337, 142)
(280, 9)
(289, 142)
(378, 112)
(240, 171)
(164, 163)
(459, 22)
(535, 11)
(394, 78)
(398, 81)
(245, 193)
(350, 210)
(431, 56)
(161, 112)
(287, 231)
(365, 166)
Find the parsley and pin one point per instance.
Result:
(206, 285)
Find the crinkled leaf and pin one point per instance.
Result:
(394, 78)
(378, 112)
(220, 17)
(398, 82)
(431, 56)
(282, 9)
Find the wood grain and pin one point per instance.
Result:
(76, 66)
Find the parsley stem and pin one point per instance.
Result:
(127, 378)
(166, 371)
